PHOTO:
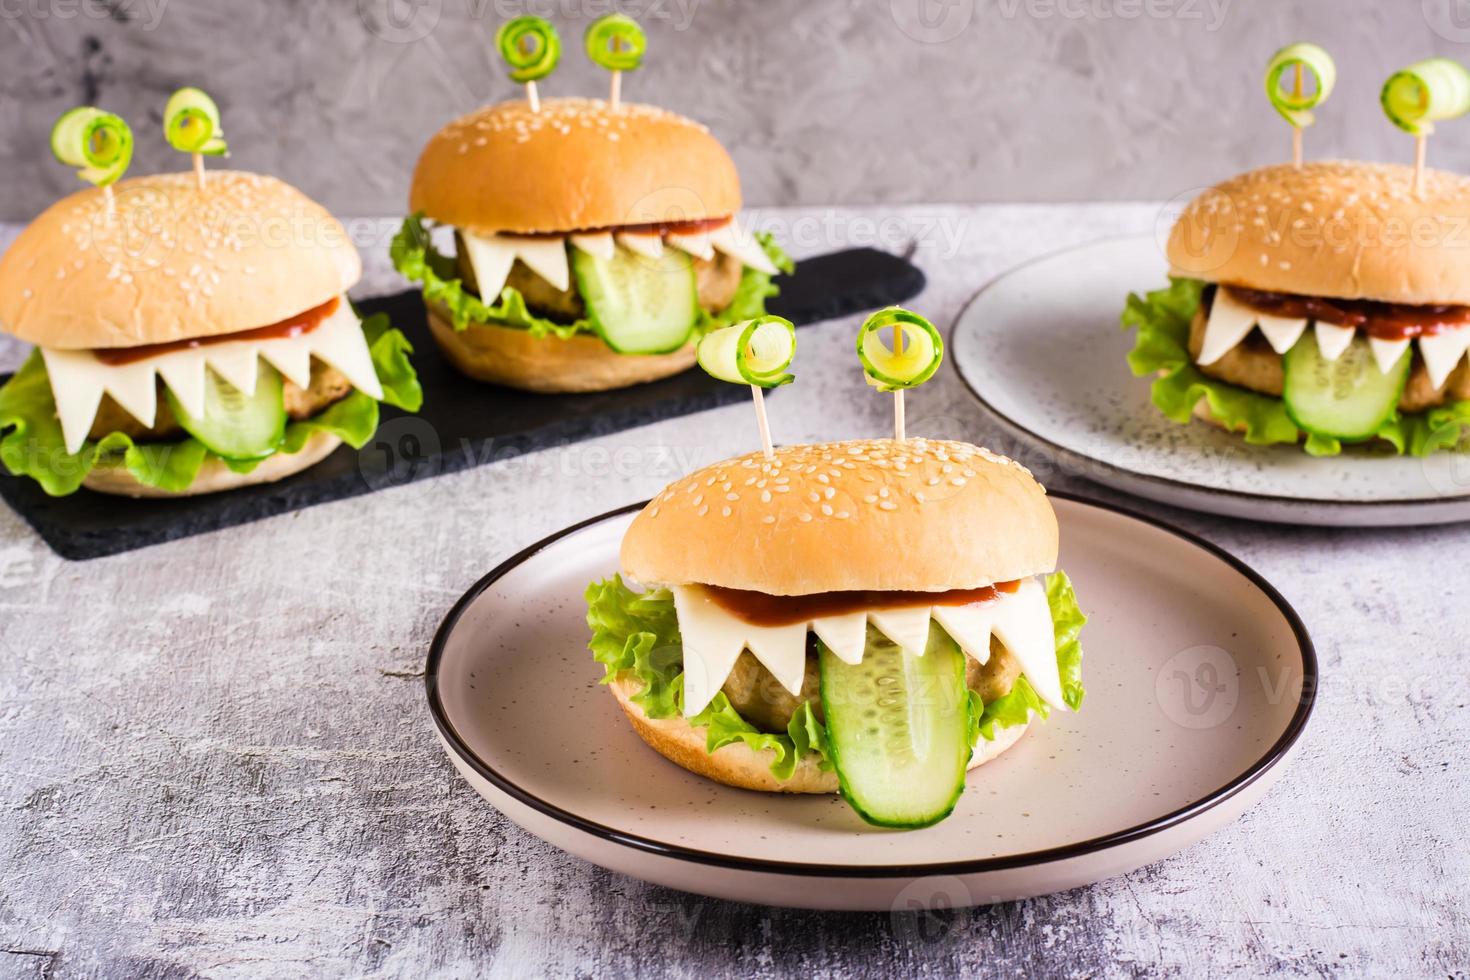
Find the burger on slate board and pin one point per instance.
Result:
(594, 243)
(192, 335)
(1324, 304)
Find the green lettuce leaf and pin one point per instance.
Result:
(1017, 707)
(804, 734)
(1161, 350)
(31, 442)
(416, 259)
(637, 632)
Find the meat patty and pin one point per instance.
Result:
(761, 699)
(328, 385)
(716, 280)
(1252, 364)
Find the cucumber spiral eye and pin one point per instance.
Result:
(1296, 105)
(753, 352)
(1424, 93)
(98, 143)
(530, 46)
(615, 42)
(910, 361)
(191, 123)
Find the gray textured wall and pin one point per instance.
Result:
(825, 101)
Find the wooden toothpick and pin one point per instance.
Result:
(761, 421)
(1420, 144)
(1296, 131)
(899, 428)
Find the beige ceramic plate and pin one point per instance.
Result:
(1199, 676)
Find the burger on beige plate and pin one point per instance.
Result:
(1327, 304)
(872, 617)
(189, 338)
(593, 244)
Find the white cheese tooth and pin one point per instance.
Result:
(695, 243)
(1023, 624)
(908, 626)
(135, 389)
(183, 372)
(547, 257)
(1282, 332)
(341, 343)
(292, 357)
(712, 640)
(969, 626)
(76, 387)
(1442, 351)
(781, 650)
(1229, 323)
(598, 244)
(1332, 340)
(736, 242)
(1387, 352)
(237, 362)
(646, 245)
(846, 635)
(491, 257)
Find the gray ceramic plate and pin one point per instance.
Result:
(1042, 350)
(1200, 679)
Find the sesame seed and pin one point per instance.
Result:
(888, 505)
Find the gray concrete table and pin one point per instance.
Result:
(215, 755)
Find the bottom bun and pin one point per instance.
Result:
(741, 766)
(214, 475)
(511, 357)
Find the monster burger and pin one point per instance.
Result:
(872, 617)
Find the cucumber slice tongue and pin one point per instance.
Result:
(1349, 398)
(639, 305)
(899, 729)
(236, 425)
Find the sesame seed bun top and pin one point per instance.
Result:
(1334, 228)
(577, 164)
(918, 515)
(171, 261)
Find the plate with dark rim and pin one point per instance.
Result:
(1041, 348)
(1200, 681)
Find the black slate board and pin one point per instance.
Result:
(462, 424)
